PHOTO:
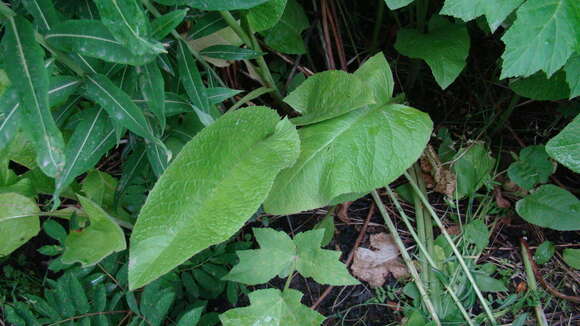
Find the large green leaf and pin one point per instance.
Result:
(572, 69)
(444, 48)
(128, 23)
(24, 63)
(266, 15)
(327, 95)
(354, 153)
(572, 257)
(18, 221)
(92, 138)
(543, 37)
(376, 74)
(286, 36)
(551, 207)
(92, 39)
(495, 11)
(396, 4)
(532, 167)
(208, 192)
(224, 4)
(565, 147)
(95, 242)
(9, 116)
(275, 308)
(119, 106)
(280, 255)
(539, 87)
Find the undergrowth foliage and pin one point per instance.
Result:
(134, 85)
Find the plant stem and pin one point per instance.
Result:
(250, 40)
(406, 258)
(454, 248)
(378, 25)
(427, 254)
(532, 285)
(288, 281)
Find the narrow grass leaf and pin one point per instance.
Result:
(24, 63)
(217, 95)
(229, 52)
(191, 79)
(152, 87)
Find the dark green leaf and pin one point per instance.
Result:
(224, 4)
(162, 26)
(551, 207)
(476, 232)
(191, 79)
(153, 90)
(92, 39)
(229, 52)
(18, 221)
(544, 252)
(286, 36)
(45, 16)
(265, 16)
(565, 146)
(539, 87)
(191, 318)
(208, 24)
(24, 63)
(10, 116)
(217, 95)
(92, 138)
(54, 230)
(572, 257)
(532, 167)
(128, 23)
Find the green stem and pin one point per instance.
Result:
(288, 281)
(406, 258)
(454, 248)
(427, 254)
(532, 285)
(422, 6)
(378, 25)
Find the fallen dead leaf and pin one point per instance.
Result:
(500, 199)
(373, 266)
(443, 180)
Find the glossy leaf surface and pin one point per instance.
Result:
(219, 189)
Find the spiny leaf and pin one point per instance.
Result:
(18, 221)
(254, 147)
(273, 307)
(543, 37)
(101, 238)
(280, 255)
(24, 63)
(129, 25)
(92, 39)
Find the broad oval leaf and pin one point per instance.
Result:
(92, 244)
(92, 138)
(286, 36)
(275, 307)
(224, 4)
(354, 153)
(24, 63)
(128, 23)
(565, 147)
(532, 167)
(445, 48)
(543, 37)
(229, 52)
(18, 221)
(208, 192)
(377, 75)
(539, 87)
(92, 39)
(327, 95)
(572, 257)
(551, 207)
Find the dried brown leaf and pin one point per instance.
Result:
(373, 266)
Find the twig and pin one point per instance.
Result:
(528, 264)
